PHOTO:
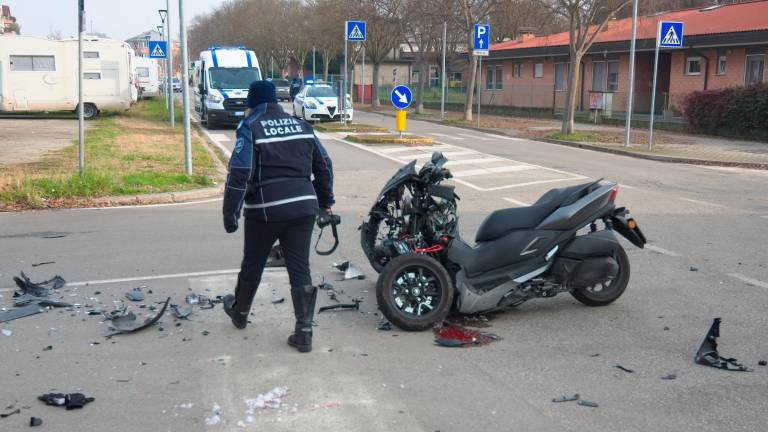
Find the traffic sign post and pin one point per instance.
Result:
(401, 98)
(158, 49)
(669, 35)
(353, 31)
(480, 40)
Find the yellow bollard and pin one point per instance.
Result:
(400, 121)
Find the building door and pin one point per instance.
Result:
(755, 66)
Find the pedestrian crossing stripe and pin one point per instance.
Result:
(671, 37)
(158, 52)
(356, 33)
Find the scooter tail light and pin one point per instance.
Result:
(614, 192)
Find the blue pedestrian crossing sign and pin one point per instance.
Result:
(670, 35)
(355, 30)
(157, 49)
(481, 39)
(401, 97)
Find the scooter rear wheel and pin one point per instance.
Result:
(602, 294)
(414, 292)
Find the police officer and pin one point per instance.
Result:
(270, 172)
(295, 87)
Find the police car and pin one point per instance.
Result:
(317, 102)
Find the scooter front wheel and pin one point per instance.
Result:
(414, 292)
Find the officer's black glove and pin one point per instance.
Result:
(231, 222)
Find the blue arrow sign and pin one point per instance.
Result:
(481, 39)
(670, 34)
(157, 49)
(401, 97)
(355, 30)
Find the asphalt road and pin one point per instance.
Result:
(706, 258)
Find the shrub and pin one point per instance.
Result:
(734, 111)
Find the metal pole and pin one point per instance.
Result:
(271, 67)
(171, 104)
(631, 80)
(167, 69)
(344, 90)
(80, 107)
(185, 90)
(442, 81)
(362, 78)
(479, 86)
(313, 63)
(653, 91)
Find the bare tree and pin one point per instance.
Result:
(383, 37)
(586, 19)
(510, 16)
(54, 34)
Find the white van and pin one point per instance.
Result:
(147, 76)
(221, 82)
(41, 75)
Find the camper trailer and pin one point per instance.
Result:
(147, 76)
(41, 75)
(221, 81)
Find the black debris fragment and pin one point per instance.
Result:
(595, 355)
(181, 311)
(135, 295)
(70, 401)
(343, 306)
(587, 403)
(16, 411)
(350, 271)
(26, 299)
(707, 354)
(694, 269)
(37, 289)
(278, 300)
(669, 377)
(384, 326)
(625, 369)
(128, 322)
(206, 333)
(48, 348)
(35, 421)
(21, 312)
(276, 257)
(763, 363)
(566, 398)
(325, 286)
(43, 263)
(450, 343)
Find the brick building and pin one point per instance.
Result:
(724, 46)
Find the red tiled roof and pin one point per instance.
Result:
(733, 18)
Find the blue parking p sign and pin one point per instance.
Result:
(670, 34)
(481, 39)
(355, 30)
(157, 49)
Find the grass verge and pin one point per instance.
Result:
(350, 127)
(126, 153)
(576, 136)
(381, 139)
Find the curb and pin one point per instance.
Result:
(657, 158)
(159, 198)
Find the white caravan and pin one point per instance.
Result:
(41, 75)
(221, 84)
(147, 76)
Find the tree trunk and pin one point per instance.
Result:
(420, 86)
(470, 88)
(375, 84)
(326, 64)
(572, 93)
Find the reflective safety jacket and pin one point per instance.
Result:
(272, 165)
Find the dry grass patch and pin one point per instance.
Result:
(350, 127)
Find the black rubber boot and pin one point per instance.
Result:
(304, 299)
(239, 305)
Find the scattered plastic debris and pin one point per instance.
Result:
(35, 421)
(587, 403)
(350, 271)
(135, 295)
(625, 369)
(7, 332)
(271, 399)
(20, 312)
(128, 322)
(763, 363)
(384, 326)
(48, 348)
(278, 300)
(693, 269)
(37, 289)
(205, 333)
(182, 311)
(669, 377)
(25, 299)
(43, 263)
(70, 401)
(202, 301)
(344, 306)
(566, 398)
(215, 417)
(325, 286)
(476, 321)
(707, 354)
(454, 336)
(16, 411)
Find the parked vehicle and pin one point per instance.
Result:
(411, 237)
(176, 85)
(316, 102)
(41, 75)
(221, 84)
(147, 76)
(283, 88)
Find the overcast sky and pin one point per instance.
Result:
(119, 19)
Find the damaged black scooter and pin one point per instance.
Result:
(411, 238)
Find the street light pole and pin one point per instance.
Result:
(313, 63)
(185, 89)
(163, 64)
(170, 65)
(80, 105)
(442, 81)
(631, 80)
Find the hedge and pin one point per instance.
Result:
(734, 111)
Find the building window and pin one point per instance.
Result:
(32, 63)
(598, 76)
(693, 65)
(538, 70)
(613, 75)
(754, 69)
(489, 78)
(499, 77)
(91, 54)
(721, 65)
(517, 70)
(561, 76)
(92, 75)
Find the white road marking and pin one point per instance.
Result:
(454, 137)
(749, 280)
(528, 183)
(514, 201)
(484, 171)
(701, 202)
(661, 250)
(504, 137)
(475, 137)
(446, 154)
(401, 149)
(473, 161)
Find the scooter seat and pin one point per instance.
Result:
(502, 222)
